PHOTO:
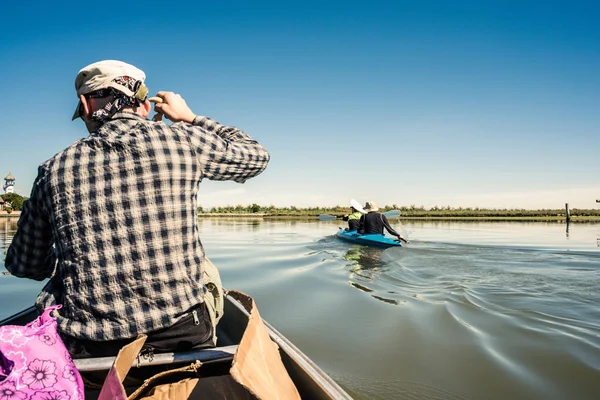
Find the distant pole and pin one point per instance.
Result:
(567, 215)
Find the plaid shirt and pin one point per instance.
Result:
(112, 221)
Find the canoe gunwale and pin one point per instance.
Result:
(306, 366)
(307, 376)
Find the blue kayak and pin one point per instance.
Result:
(371, 239)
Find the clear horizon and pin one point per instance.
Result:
(463, 103)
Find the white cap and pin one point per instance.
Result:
(101, 75)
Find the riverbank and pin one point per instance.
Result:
(14, 214)
(524, 218)
(303, 217)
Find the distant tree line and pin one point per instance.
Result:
(406, 211)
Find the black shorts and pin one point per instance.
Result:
(194, 329)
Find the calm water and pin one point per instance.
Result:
(468, 310)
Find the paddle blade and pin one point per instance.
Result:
(325, 217)
(392, 214)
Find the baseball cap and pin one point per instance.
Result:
(102, 75)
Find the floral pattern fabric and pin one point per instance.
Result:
(34, 363)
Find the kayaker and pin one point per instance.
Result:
(112, 219)
(353, 219)
(374, 222)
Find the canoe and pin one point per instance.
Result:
(310, 380)
(370, 239)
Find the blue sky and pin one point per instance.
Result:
(463, 103)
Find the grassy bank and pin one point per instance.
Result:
(412, 213)
(407, 215)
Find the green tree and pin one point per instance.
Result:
(255, 208)
(15, 199)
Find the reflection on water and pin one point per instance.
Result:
(365, 257)
(476, 310)
(8, 227)
(365, 264)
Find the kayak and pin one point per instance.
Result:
(309, 379)
(370, 239)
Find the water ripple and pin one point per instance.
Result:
(507, 313)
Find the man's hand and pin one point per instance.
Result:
(400, 238)
(174, 107)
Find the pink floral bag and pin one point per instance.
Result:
(35, 364)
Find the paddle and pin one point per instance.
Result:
(388, 214)
(392, 214)
(325, 217)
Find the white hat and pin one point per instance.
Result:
(102, 74)
(356, 205)
(370, 206)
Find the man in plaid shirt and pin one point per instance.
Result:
(112, 219)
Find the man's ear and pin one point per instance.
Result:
(147, 106)
(86, 107)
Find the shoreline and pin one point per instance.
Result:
(263, 216)
(560, 219)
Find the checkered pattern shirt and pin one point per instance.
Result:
(112, 222)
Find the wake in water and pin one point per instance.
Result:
(532, 313)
